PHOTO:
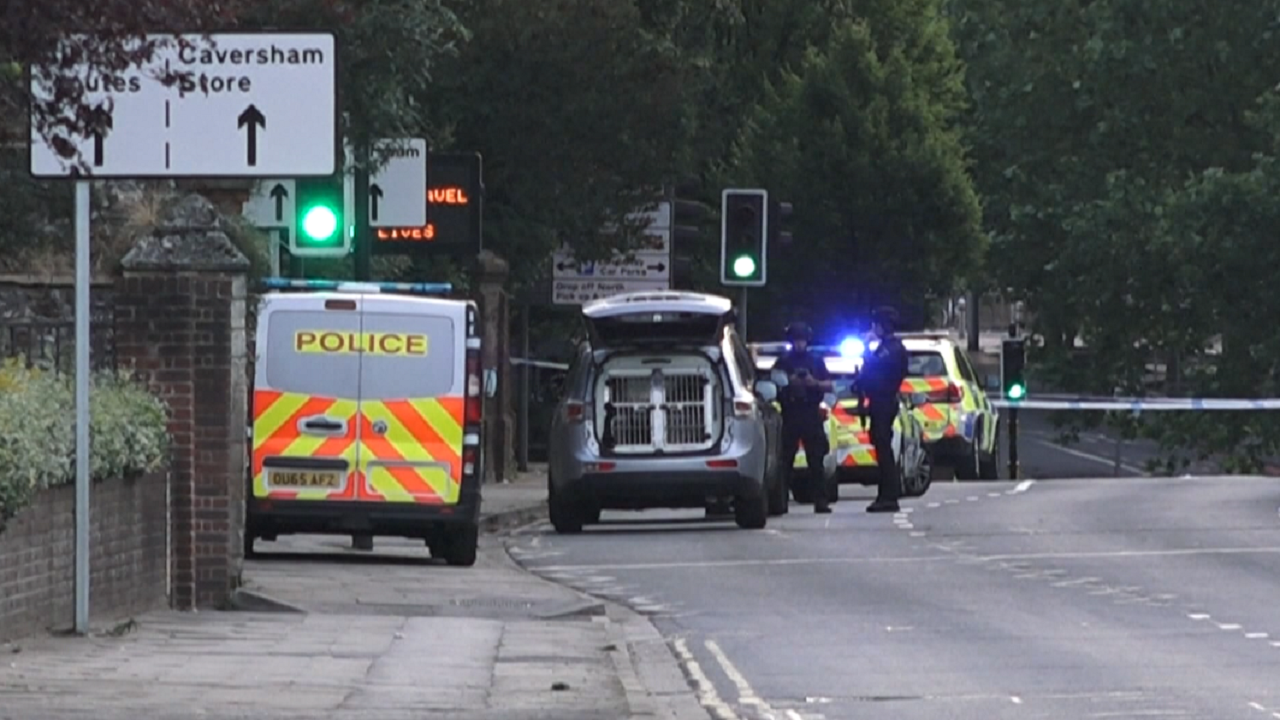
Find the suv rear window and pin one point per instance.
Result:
(926, 364)
(697, 328)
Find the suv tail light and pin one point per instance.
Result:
(744, 408)
(575, 412)
(952, 393)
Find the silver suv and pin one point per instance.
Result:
(661, 410)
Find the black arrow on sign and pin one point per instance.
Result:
(101, 120)
(253, 118)
(279, 193)
(659, 267)
(375, 194)
(566, 266)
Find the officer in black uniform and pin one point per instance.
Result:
(879, 382)
(807, 381)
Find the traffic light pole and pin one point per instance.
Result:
(1013, 443)
(360, 223)
(742, 315)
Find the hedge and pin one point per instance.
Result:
(128, 432)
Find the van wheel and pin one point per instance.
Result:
(462, 546)
(249, 550)
(751, 513)
(566, 516)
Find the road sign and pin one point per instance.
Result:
(647, 267)
(222, 105)
(272, 204)
(577, 292)
(396, 192)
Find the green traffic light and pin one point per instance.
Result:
(1016, 392)
(320, 223)
(744, 266)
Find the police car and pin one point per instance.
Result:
(852, 457)
(961, 426)
(366, 415)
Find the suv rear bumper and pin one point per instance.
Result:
(643, 489)
(268, 518)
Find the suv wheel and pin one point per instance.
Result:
(566, 515)
(751, 513)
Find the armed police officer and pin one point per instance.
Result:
(879, 382)
(807, 380)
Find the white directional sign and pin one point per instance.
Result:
(223, 105)
(577, 292)
(272, 204)
(648, 267)
(398, 192)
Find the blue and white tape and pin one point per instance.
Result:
(1134, 405)
(1145, 405)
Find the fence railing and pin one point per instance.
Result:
(51, 344)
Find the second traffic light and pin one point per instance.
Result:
(744, 233)
(320, 226)
(1013, 362)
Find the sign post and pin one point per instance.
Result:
(647, 268)
(238, 105)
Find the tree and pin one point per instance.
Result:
(862, 138)
(579, 114)
(1088, 119)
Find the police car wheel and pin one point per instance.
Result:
(462, 546)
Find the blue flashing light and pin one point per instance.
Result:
(357, 286)
(852, 347)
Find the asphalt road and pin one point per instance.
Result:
(1109, 598)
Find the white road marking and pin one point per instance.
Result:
(1257, 706)
(917, 533)
(935, 505)
(746, 695)
(993, 495)
(1228, 626)
(1023, 486)
(793, 715)
(1095, 458)
(972, 498)
(707, 695)
(1257, 636)
(953, 502)
(1016, 700)
(698, 565)
(1198, 616)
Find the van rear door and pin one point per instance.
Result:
(413, 388)
(306, 398)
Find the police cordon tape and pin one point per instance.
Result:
(1135, 405)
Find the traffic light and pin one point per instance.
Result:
(1013, 361)
(779, 213)
(320, 227)
(744, 228)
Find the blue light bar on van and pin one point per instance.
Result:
(355, 286)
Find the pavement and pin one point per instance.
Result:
(1093, 598)
(325, 631)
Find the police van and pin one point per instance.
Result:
(366, 412)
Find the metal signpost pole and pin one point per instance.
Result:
(82, 407)
(742, 316)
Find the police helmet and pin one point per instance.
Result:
(886, 317)
(799, 331)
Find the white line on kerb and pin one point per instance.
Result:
(1023, 486)
(707, 695)
(746, 695)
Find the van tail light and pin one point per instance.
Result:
(575, 412)
(469, 461)
(952, 393)
(744, 408)
(474, 410)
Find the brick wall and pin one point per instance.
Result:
(129, 549)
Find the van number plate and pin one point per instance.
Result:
(328, 479)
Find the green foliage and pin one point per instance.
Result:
(862, 138)
(128, 432)
(578, 112)
(1121, 149)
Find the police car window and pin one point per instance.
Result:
(966, 369)
(306, 354)
(413, 358)
(926, 364)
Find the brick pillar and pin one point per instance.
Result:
(180, 323)
(491, 273)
